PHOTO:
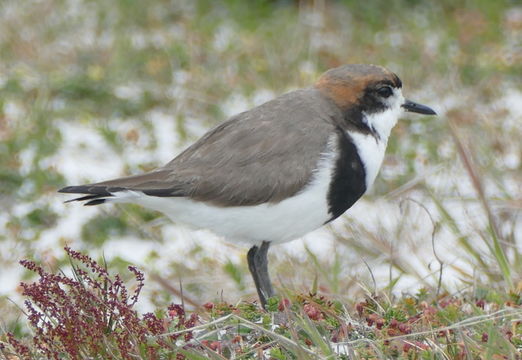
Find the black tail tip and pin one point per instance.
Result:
(94, 202)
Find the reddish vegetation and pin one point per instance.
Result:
(91, 314)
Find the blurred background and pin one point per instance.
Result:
(93, 89)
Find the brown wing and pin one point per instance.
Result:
(263, 155)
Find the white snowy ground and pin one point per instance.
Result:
(404, 227)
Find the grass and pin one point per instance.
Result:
(86, 82)
(90, 315)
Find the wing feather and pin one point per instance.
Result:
(263, 155)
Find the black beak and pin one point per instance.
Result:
(417, 108)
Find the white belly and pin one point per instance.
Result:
(280, 222)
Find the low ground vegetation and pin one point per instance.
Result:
(90, 315)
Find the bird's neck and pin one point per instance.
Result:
(378, 124)
(382, 122)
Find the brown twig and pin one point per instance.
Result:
(497, 249)
(166, 284)
(466, 158)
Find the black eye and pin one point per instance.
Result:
(385, 91)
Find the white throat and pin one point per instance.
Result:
(371, 148)
(383, 122)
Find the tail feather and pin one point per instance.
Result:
(157, 183)
(96, 194)
(91, 189)
(95, 202)
(88, 197)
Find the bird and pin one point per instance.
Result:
(279, 170)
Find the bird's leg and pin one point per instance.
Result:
(258, 266)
